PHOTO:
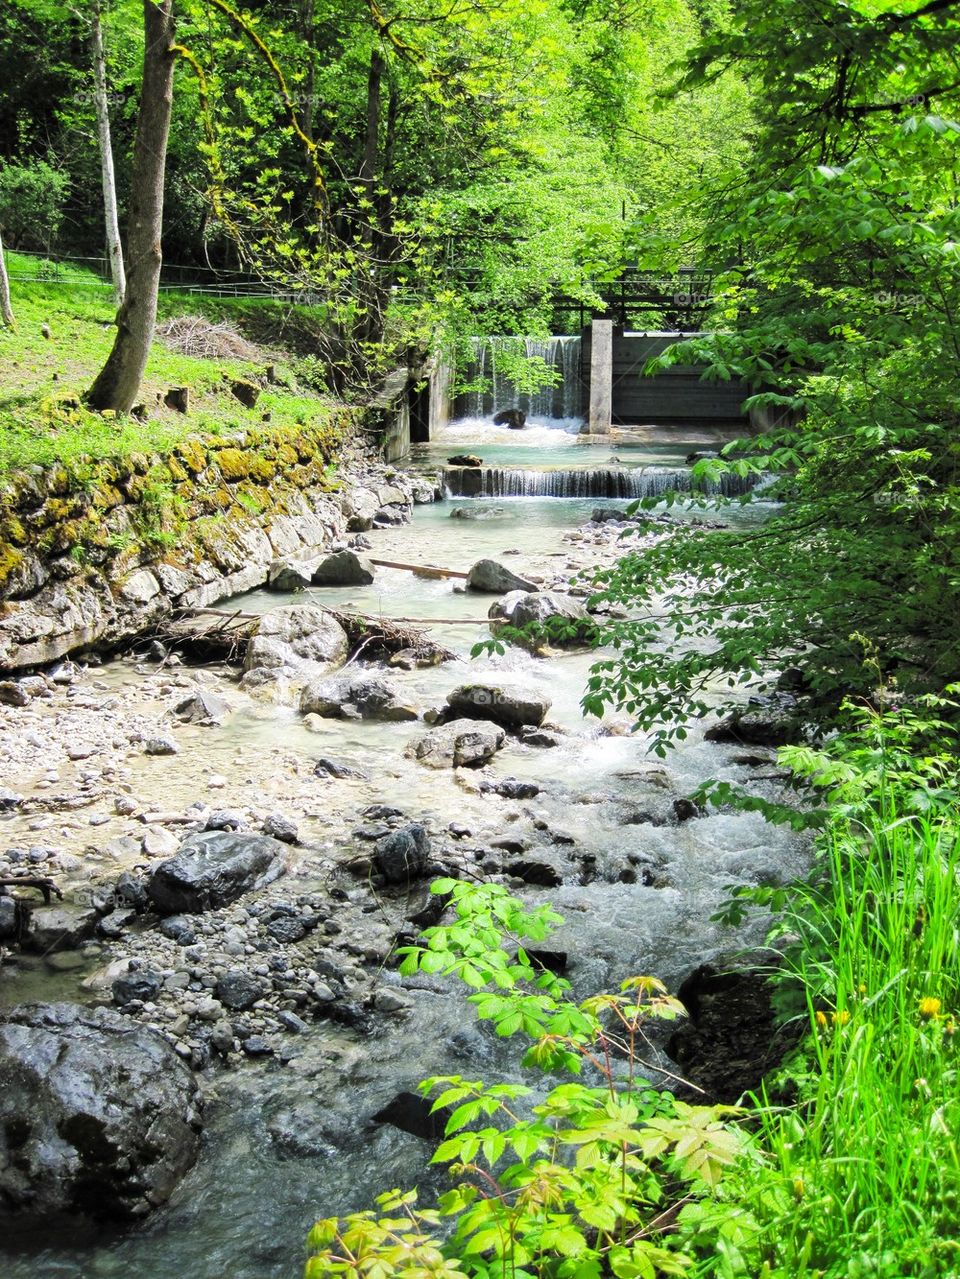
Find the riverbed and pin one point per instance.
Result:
(291, 1137)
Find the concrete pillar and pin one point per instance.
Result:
(601, 377)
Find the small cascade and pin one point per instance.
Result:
(584, 482)
(562, 402)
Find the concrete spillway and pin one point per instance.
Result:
(573, 482)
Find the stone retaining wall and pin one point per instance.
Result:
(94, 554)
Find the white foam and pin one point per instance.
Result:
(552, 432)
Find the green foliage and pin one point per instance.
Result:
(32, 196)
(582, 1184)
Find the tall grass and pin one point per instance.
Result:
(866, 1164)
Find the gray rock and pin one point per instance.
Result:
(213, 869)
(403, 854)
(9, 926)
(256, 1046)
(202, 708)
(12, 694)
(279, 827)
(98, 1115)
(63, 927)
(238, 990)
(360, 506)
(332, 768)
(461, 743)
(762, 727)
(510, 788)
(287, 929)
(541, 873)
(554, 620)
(178, 929)
(489, 701)
(344, 568)
(9, 800)
(290, 1021)
(161, 746)
(142, 984)
(495, 579)
(357, 696)
(300, 638)
(289, 575)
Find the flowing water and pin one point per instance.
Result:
(286, 1144)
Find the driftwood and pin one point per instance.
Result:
(421, 570)
(41, 883)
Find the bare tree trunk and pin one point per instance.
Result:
(119, 380)
(6, 310)
(114, 247)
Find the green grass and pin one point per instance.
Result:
(863, 1173)
(42, 379)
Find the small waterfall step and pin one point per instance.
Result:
(587, 482)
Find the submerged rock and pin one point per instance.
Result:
(213, 869)
(463, 743)
(98, 1115)
(202, 708)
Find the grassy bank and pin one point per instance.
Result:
(63, 333)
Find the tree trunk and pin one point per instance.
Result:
(114, 248)
(6, 310)
(118, 382)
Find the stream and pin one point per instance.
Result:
(286, 1143)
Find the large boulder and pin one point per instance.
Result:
(554, 620)
(213, 869)
(770, 725)
(463, 743)
(62, 927)
(496, 579)
(9, 918)
(344, 568)
(298, 639)
(356, 696)
(488, 701)
(360, 506)
(98, 1115)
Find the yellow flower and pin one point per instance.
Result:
(821, 1019)
(930, 1007)
(841, 1018)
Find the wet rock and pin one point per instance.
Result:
(511, 710)
(290, 1021)
(143, 985)
(770, 725)
(325, 767)
(344, 568)
(540, 737)
(9, 919)
(414, 1114)
(465, 459)
(238, 990)
(495, 579)
(287, 929)
(510, 788)
(131, 891)
(357, 696)
(686, 810)
(289, 575)
(63, 927)
(515, 419)
(256, 1046)
(554, 619)
(202, 708)
(301, 639)
(533, 871)
(179, 929)
(224, 819)
(213, 869)
(403, 854)
(279, 827)
(98, 1115)
(463, 743)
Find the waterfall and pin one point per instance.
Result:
(561, 402)
(583, 482)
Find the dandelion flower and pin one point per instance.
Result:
(930, 1007)
(821, 1019)
(841, 1018)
